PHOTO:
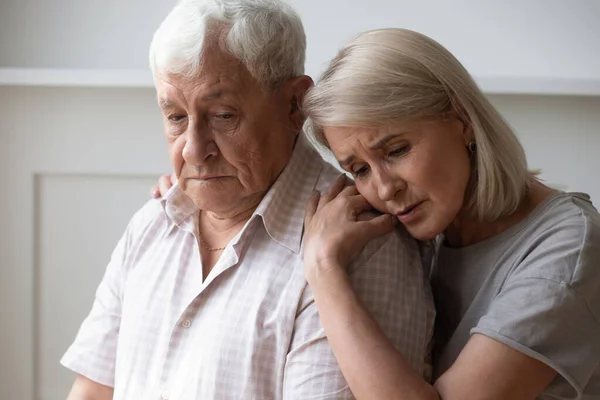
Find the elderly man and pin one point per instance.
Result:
(204, 296)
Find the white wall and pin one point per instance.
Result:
(549, 38)
(561, 136)
(539, 38)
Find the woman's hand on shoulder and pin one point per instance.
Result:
(336, 228)
(165, 182)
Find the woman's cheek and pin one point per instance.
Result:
(370, 193)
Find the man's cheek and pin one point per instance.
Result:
(176, 157)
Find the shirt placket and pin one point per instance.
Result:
(188, 323)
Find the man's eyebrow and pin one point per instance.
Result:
(377, 146)
(215, 94)
(166, 103)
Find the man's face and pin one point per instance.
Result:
(228, 137)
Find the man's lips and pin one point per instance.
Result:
(206, 177)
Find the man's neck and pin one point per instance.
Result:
(224, 221)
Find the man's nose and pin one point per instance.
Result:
(199, 146)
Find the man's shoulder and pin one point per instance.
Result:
(327, 175)
(148, 218)
(397, 249)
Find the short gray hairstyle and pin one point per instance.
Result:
(391, 76)
(267, 36)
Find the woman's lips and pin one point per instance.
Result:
(410, 213)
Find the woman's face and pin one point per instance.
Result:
(417, 171)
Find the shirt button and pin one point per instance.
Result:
(186, 323)
(164, 395)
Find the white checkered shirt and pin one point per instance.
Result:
(251, 329)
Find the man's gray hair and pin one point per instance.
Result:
(267, 37)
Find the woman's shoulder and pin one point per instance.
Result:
(566, 220)
(562, 244)
(571, 208)
(561, 218)
(567, 210)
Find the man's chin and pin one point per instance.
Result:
(213, 205)
(213, 201)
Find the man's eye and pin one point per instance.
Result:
(225, 116)
(176, 118)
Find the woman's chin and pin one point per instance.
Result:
(422, 232)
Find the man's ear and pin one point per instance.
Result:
(296, 88)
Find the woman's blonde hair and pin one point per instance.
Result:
(387, 76)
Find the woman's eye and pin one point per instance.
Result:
(399, 151)
(358, 172)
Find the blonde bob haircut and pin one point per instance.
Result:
(388, 76)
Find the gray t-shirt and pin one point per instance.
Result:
(535, 287)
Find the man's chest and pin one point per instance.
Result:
(199, 336)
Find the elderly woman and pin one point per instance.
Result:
(515, 274)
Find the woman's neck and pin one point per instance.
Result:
(466, 230)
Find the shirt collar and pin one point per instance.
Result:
(180, 209)
(283, 207)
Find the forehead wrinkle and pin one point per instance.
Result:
(354, 135)
(381, 143)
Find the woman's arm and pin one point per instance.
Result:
(485, 369)
(373, 368)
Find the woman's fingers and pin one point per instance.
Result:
(358, 204)
(155, 192)
(377, 226)
(311, 207)
(349, 190)
(164, 184)
(336, 187)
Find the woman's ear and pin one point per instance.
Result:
(468, 135)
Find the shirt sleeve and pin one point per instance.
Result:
(548, 308)
(392, 282)
(311, 370)
(93, 353)
(389, 278)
